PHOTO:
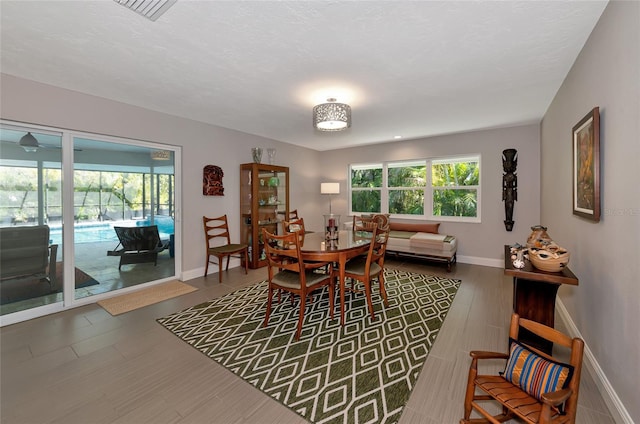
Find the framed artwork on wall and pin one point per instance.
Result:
(586, 166)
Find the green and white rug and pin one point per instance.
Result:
(362, 373)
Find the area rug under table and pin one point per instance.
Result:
(360, 373)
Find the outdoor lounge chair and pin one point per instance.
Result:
(139, 245)
(25, 252)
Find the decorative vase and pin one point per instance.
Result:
(274, 182)
(256, 153)
(271, 154)
(538, 237)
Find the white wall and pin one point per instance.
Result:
(478, 243)
(202, 144)
(605, 256)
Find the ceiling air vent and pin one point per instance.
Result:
(150, 9)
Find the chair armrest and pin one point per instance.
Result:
(556, 398)
(550, 403)
(481, 354)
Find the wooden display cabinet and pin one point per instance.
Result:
(264, 202)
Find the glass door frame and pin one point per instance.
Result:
(68, 250)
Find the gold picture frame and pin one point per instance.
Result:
(586, 166)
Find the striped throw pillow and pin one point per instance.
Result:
(534, 374)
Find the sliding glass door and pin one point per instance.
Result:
(31, 254)
(117, 195)
(123, 194)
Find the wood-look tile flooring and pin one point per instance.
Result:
(84, 366)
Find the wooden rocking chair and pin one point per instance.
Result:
(534, 386)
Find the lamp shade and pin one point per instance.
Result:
(332, 116)
(330, 188)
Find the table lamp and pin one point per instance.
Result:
(330, 188)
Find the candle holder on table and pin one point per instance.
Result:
(331, 229)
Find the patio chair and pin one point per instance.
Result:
(139, 245)
(25, 252)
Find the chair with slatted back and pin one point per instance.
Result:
(295, 226)
(534, 387)
(289, 272)
(218, 243)
(370, 267)
(382, 220)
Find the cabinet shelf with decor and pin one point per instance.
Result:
(264, 200)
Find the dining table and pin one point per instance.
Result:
(348, 245)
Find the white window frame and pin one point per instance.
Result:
(432, 189)
(428, 188)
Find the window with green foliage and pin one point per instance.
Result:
(456, 186)
(366, 188)
(406, 182)
(443, 188)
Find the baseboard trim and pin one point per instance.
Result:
(474, 260)
(616, 407)
(213, 270)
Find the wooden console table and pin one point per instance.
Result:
(534, 295)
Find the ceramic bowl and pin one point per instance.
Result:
(547, 260)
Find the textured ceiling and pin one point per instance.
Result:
(408, 68)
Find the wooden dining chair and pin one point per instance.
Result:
(534, 386)
(218, 244)
(289, 272)
(382, 220)
(295, 226)
(370, 267)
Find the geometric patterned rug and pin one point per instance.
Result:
(360, 373)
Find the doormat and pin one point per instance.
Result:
(145, 297)
(363, 372)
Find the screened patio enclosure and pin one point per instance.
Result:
(81, 186)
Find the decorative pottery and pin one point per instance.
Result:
(274, 182)
(256, 153)
(538, 237)
(551, 258)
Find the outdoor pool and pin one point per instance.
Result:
(96, 232)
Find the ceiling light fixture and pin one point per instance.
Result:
(29, 143)
(160, 154)
(332, 116)
(150, 9)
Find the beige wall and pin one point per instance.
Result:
(478, 243)
(605, 255)
(202, 144)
